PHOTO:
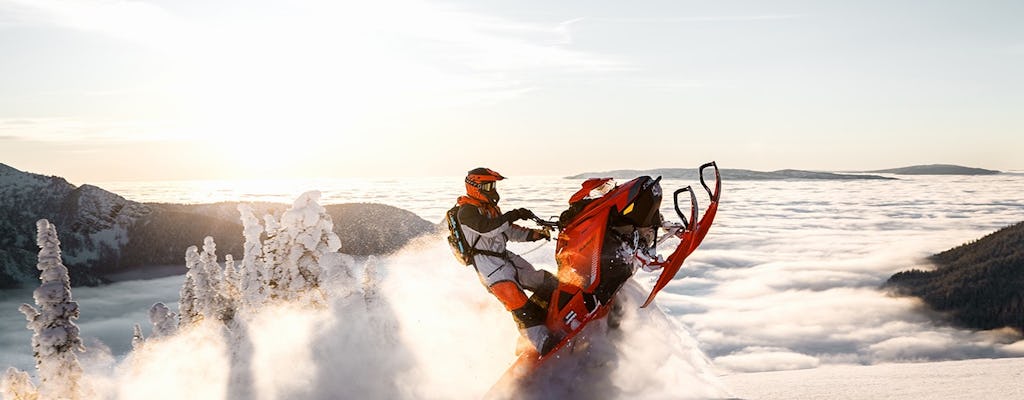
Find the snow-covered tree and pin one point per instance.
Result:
(188, 312)
(56, 336)
(163, 320)
(312, 235)
(231, 285)
(273, 255)
(208, 287)
(253, 282)
(17, 385)
(137, 339)
(210, 301)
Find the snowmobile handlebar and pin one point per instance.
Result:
(693, 205)
(718, 181)
(546, 223)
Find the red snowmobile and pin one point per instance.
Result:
(602, 240)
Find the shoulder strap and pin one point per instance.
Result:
(473, 250)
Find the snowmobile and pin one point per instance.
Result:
(607, 233)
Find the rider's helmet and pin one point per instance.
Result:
(480, 184)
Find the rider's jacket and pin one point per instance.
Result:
(487, 231)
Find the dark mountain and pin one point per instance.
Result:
(936, 169)
(729, 174)
(979, 285)
(103, 233)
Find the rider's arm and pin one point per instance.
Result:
(472, 218)
(487, 226)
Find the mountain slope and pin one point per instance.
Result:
(103, 233)
(979, 285)
(91, 222)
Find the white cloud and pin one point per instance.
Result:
(759, 359)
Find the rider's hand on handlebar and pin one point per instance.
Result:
(538, 234)
(521, 213)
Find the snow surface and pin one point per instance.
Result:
(948, 380)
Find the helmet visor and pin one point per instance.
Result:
(487, 186)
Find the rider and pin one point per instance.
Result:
(506, 274)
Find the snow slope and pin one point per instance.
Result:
(949, 380)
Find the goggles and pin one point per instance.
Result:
(487, 186)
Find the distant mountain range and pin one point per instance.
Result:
(936, 169)
(103, 233)
(729, 174)
(789, 174)
(979, 285)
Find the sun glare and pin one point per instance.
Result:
(280, 94)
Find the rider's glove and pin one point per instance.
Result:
(538, 234)
(518, 214)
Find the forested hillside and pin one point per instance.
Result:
(979, 285)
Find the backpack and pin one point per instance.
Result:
(456, 239)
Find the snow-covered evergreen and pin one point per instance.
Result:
(273, 255)
(137, 339)
(56, 336)
(212, 301)
(208, 280)
(188, 312)
(311, 232)
(253, 279)
(164, 323)
(17, 385)
(231, 286)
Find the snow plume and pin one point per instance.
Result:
(411, 325)
(633, 353)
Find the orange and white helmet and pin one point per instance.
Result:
(480, 184)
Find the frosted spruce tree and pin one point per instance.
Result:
(164, 323)
(312, 236)
(137, 339)
(231, 286)
(253, 279)
(17, 385)
(273, 256)
(188, 313)
(211, 301)
(56, 336)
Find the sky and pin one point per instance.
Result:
(101, 90)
